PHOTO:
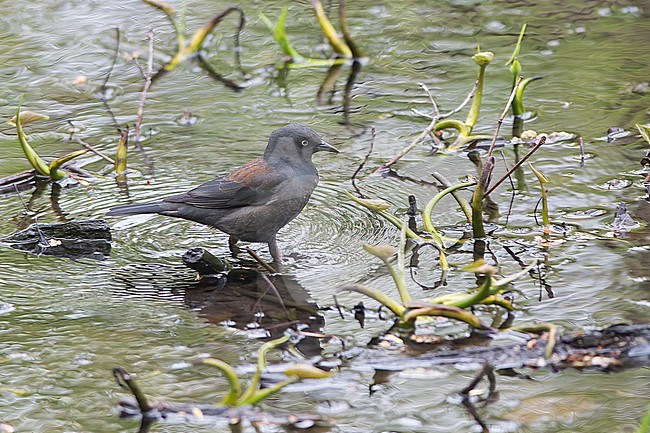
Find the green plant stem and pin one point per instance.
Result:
(497, 285)
(538, 329)
(400, 283)
(55, 172)
(280, 35)
(397, 308)
(495, 300)
(129, 382)
(518, 100)
(462, 202)
(337, 45)
(356, 52)
(267, 392)
(542, 182)
(39, 165)
(482, 59)
(515, 52)
(428, 210)
(400, 276)
(261, 365)
(199, 36)
(459, 126)
(475, 108)
(121, 152)
(478, 296)
(233, 394)
(446, 311)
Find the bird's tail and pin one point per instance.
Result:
(134, 209)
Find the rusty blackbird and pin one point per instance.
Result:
(254, 201)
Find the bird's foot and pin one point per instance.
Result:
(275, 251)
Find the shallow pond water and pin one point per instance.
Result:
(65, 324)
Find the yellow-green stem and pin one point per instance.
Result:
(394, 306)
(337, 45)
(230, 399)
(261, 365)
(55, 172)
(121, 152)
(39, 165)
(428, 210)
(459, 126)
(542, 182)
(266, 392)
(446, 311)
(482, 59)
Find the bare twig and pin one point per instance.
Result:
(518, 164)
(147, 83)
(462, 105)
(436, 112)
(102, 89)
(95, 151)
(365, 159)
(428, 129)
(259, 260)
(410, 147)
(276, 293)
(503, 116)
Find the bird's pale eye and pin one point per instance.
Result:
(304, 142)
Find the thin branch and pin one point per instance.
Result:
(363, 163)
(436, 112)
(410, 147)
(276, 293)
(503, 116)
(462, 105)
(102, 89)
(95, 151)
(259, 260)
(539, 144)
(147, 83)
(429, 129)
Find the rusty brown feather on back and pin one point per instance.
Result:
(249, 171)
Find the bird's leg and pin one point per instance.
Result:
(232, 244)
(275, 251)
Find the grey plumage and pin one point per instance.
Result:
(255, 201)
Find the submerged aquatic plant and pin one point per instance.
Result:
(344, 49)
(185, 49)
(482, 59)
(452, 305)
(52, 170)
(543, 180)
(235, 397)
(252, 395)
(280, 35)
(518, 85)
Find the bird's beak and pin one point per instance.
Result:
(326, 147)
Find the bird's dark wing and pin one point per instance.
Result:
(250, 185)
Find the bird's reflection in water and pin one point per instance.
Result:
(265, 305)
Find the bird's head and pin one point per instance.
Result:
(294, 143)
